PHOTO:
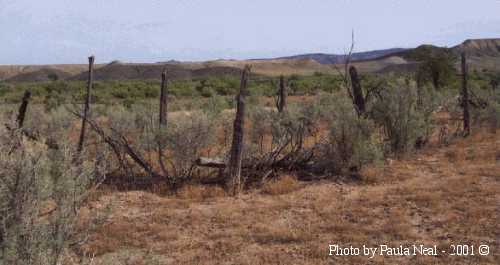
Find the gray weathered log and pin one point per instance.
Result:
(465, 96)
(210, 162)
(233, 179)
(86, 109)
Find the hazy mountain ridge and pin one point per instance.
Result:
(324, 58)
(128, 71)
(41, 75)
(483, 54)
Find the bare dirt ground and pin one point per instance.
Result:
(438, 196)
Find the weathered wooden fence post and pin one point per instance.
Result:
(86, 109)
(233, 179)
(435, 75)
(163, 121)
(357, 92)
(465, 96)
(163, 99)
(23, 108)
(282, 94)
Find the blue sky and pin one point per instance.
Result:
(67, 31)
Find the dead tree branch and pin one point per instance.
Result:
(347, 61)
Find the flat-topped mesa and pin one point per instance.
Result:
(480, 47)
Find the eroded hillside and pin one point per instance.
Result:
(483, 54)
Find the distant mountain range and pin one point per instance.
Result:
(324, 58)
(484, 54)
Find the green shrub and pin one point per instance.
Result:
(53, 101)
(262, 88)
(5, 89)
(151, 92)
(352, 141)
(40, 194)
(215, 105)
(206, 92)
(182, 88)
(403, 121)
(185, 137)
(223, 86)
(490, 113)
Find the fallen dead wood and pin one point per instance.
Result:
(288, 162)
(210, 162)
(119, 143)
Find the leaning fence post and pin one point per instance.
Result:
(86, 109)
(233, 181)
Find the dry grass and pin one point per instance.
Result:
(438, 196)
(200, 193)
(283, 185)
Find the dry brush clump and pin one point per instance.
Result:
(353, 141)
(132, 137)
(330, 136)
(186, 138)
(41, 192)
(281, 140)
(485, 107)
(406, 124)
